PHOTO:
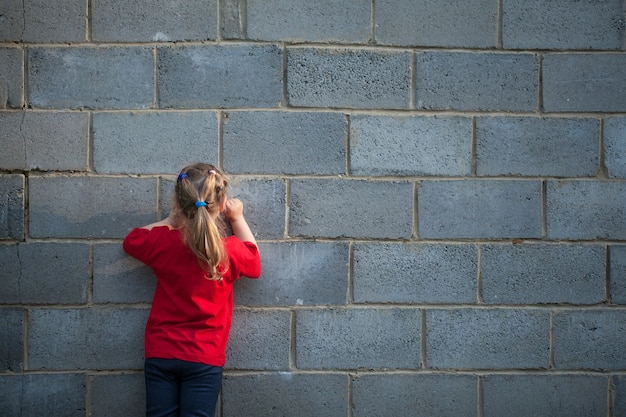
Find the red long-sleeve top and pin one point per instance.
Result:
(191, 316)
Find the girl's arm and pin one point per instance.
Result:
(233, 211)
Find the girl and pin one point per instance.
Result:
(190, 318)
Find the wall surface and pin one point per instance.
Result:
(438, 188)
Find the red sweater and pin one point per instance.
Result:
(191, 316)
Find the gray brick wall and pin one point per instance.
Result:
(438, 189)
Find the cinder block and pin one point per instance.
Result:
(121, 395)
(436, 23)
(12, 23)
(11, 78)
(414, 273)
(43, 394)
(617, 273)
(90, 207)
(476, 81)
(534, 146)
(11, 342)
(142, 21)
(351, 208)
(285, 394)
(618, 399)
(12, 207)
(86, 338)
(119, 278)
(562, 24)
(86, 77)
(220, 76)
(487, 339)
(477, 209)
(285, 143)
(309, 21)
(51, 141)
(259, 339)
(64, 280)
(414, 394)
(384, 145)
(349, 78)
(232, 18)
(570, 86)
(552, 395)
(360, 338)
(615, 147)
(589, 339)
(298, 273)
(585, 210)
(538, 274)
(48, 21)
(155, 142)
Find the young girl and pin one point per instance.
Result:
(195, 266)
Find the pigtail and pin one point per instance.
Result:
(199, 189)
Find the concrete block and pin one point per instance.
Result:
(10, 274)
(155, 142)
(472, 24)
(285, 394)
(119, 395)
(414, 394)
(414, 273)
(476, 209)
(615, 147)
(51, 141)
(119, 278)
(577, 210)
(487, 339)
(584, 82)
(43, 394)
(618, 398)
(90, 207)
(91, 77)
(219, 76)
(264, 202)
(562, 24)
(55, 21)
(351, 208)
(86, 338)
(285, 143)
(309, 21)
(476, 81)
(64, 280)
(545, 395)
(12, 207)
(232, 18)
(259, 339)
(12, 21)
(298, 273)
(360, 338)
(143, 21)
(617, 274)
(384, 145)
(589, 339)
(533, 146)
(538, 274)
(11, 342)
(11, 79)
(349, 78)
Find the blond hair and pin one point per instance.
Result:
(200, 188)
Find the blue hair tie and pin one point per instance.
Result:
(200, 204)
(182, 175)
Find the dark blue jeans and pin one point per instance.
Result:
(177, 388)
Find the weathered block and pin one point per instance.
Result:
(120, 395)
(384, 145)
(12, 207)
(615, 147)
(11, 343)
(48, 21)
(11, 79)
(617, 273)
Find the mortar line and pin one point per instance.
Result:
(544, 210)
(348, 137)
(243, 19)
(90, 261)
(155, 77)
(88, 21)
(499, 42)
(603, 172)
(540, 109)
(218, 34)
(350, 394)
(292, 365)
(607, 266)
(90, 143)
(551, 342)
(285, 79)
(479, 274)
(373, 23)
(287, 204)
(220, 138)
(412, 81)
(350, 290)
(424, 329)
(415, 214)
(480, 400)
(473, 159)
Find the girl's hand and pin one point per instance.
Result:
(233, 210)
